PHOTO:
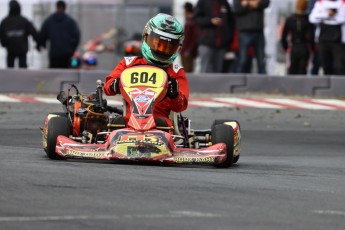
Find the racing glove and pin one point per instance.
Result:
(115, 86)
(172, 88)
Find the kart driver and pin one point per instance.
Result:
(161, 41)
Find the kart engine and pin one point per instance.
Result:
(88, 116)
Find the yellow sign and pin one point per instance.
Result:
(144, 75)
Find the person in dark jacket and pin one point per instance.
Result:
(63, 35)
(301, 33)
(216, 28)
(249, 16)
(14, 32)
(190, 43)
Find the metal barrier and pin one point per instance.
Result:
(47, 81)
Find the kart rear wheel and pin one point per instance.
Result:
(222, 133)
(56, 126)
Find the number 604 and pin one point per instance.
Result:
(143, 77)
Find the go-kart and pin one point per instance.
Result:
(91, 129)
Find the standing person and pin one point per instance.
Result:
(249, 16)
(301, 42)
(216, 28)
(315, 61)
(190, 43)
(14, 32)
(162, 39)
(329, 15)
(63, 35)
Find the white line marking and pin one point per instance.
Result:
(329, 212)
(172, 215)
(304, 105)
(4, 98)
(255, 104)
(208, 104)
(47, 100)
(195, 214)
(331, 102)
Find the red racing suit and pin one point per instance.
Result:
(163, 108)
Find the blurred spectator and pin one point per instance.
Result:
(249, 15)
(216, 26)
(298, 39)
(63, 35)
(329, 15)
(14, 32)
(132, 47)
(90, 60)
(76, 61)
(315, 61)
(311, 4)
(190, 44)
(247, 68)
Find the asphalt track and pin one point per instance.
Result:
(290, 176)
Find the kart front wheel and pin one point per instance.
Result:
(224, 134)
(56, 126)
(222, 121)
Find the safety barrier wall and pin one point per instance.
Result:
(48, 81)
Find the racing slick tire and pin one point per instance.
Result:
(56, 126)
(222, 133)
(222, 121)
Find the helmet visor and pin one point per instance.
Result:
(162, 45)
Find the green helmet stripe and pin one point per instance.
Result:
(173, 36)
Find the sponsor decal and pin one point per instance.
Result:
(132, 152)
(149, 93)
(194, 159)
(131, 137)
(135, 152)
(137, 139)
(129, 59)
(97, 155)
(176, 67)
(141, 98)
(140, 141)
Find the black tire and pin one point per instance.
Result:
(221, 121)
(56, 126)
(224, 134)
(236, 158)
